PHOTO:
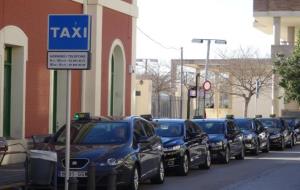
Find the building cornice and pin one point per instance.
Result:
(276, 14)
(117, 5)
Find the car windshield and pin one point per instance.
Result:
(169, 129)
(97, 133)
(244, 124)
(211, 127)
(290, 121)
(271, 123)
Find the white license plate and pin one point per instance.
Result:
(73, 174)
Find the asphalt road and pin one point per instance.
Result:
(277, 170)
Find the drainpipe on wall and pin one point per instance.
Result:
(83, 72)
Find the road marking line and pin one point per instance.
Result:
(272, 158)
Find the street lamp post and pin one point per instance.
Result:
(217, 41)
(181, 80)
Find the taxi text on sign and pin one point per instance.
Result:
(69, 32)
(69, 42)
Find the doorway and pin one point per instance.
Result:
(7, 91)
(117, 82)
(13, 81)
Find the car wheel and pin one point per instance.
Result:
(160, 176)
(207, 163)
(294, 141)
(267, 148)
(282, 144)
(184, 166)
(256, 150)
(241, 156)
(135, 179)
(290, 145)
(226, 157)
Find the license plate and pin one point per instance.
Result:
(73, 174)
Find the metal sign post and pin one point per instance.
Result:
(68, 129)
(68, 49)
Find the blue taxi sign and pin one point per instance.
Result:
(69, 32)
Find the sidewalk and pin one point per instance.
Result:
(12, 176)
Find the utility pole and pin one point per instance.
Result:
(146, 66)
(181, 81)
(206, 76)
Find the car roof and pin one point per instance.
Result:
(244, 118)
(108, 119)
(270, 118)
(169, 120)
(211, 119)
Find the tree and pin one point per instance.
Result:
(240, 71)
(160, 75)
(289, 70)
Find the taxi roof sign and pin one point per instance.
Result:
(229, 116)
(81, 116)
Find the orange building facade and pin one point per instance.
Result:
(33, 98)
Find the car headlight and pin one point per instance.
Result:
(112, 162)
(249, 136)
(172, 148)
(275, 136)
(217, 143)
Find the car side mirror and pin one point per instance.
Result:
(192, 135)
(258, 130)
(231, 132)
(143, 140)
(229, 135)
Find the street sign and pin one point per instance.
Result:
(207, 85)
(193, 93)
(69, 32)
(68, 60)
(68, 48)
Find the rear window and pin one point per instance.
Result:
(291, 122)
(97, 133)
(169, 129)
(211, 127)
(271, 123)
(244, 124)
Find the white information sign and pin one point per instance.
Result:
(68, 60)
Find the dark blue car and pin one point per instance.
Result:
(127, 146)
(225, 138)
(280, 134)
(184, 145)
(293, 124)
(256, 136)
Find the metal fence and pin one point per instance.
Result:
(166, 106)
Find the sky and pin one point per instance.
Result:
(174, 23)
